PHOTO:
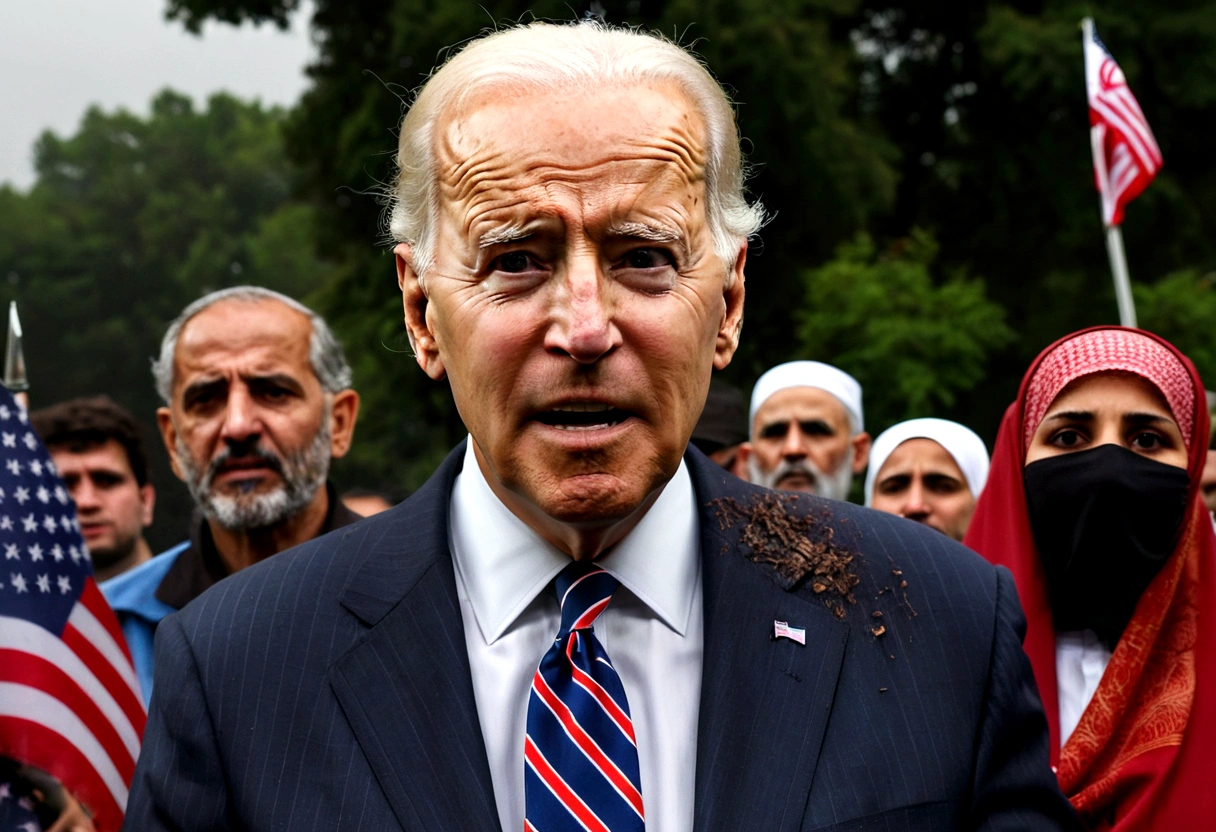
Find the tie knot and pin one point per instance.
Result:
(583, 590)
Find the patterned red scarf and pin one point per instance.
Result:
(1140, 757)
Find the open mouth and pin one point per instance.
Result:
(583, 416)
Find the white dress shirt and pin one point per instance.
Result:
(653, 631)
(1081, 659)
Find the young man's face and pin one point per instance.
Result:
(112, 507)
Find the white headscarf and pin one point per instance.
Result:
(810, 374)
(959, 441)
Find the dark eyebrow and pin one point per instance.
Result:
(281, 379)
(1071, 416)
(1147, 419)
(198, 388)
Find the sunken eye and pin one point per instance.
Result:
(649, 258)
(775, 430)
(514, 262)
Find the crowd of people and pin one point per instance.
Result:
(1093, 500)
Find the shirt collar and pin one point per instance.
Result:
(504, 564)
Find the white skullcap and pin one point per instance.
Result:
(959, 441)
(810, 374)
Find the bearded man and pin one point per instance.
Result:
(807, 430)
(257, 402)
(579, 622)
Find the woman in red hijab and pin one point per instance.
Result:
(1093, 503)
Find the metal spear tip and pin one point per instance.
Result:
(15, 378)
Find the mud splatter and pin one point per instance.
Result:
(799, 546)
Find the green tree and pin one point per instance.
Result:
(913, 342)
(1182, 307)
(129, 220)
(968, 120)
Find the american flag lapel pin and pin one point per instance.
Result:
(782, 629)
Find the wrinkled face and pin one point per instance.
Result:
(1110, 408)
(801, 442)
(248, 429)
(921, 481)
(112, 507)
(575, 303)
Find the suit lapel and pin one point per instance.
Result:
(406, 689)
(765, 703)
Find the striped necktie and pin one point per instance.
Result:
(580, 754)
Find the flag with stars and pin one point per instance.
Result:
(69, 699)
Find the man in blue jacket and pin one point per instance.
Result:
(257, 402)
(579, 623)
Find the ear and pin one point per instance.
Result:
(414, 301)
(147, 499)
(741, 459)
(168, 433)
(343, 412)
(861, 451)
(732, 320)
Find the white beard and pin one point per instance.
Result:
(834, 485)
(303, 474)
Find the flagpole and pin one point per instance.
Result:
(1114, 234)
(1118, 268)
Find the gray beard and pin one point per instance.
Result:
(833, 486)
(303, 473)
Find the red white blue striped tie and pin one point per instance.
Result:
(580, 755)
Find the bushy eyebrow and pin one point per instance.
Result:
(646, 231)
(505, 234)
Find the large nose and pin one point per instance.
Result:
(241, 419)
(583, 325)
(795, 445)
(915, 506)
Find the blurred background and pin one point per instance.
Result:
(926, 166)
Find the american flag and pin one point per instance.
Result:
(1126, 156)
(69, 698)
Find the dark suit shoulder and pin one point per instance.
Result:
(366, 566)
(800, 536)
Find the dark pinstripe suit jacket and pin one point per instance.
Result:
(328, 689)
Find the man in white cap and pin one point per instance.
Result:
(928, 470)
(807, 431)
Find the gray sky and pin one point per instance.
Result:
(57, 57)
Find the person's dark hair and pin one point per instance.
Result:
(78, 425)
(723, 421)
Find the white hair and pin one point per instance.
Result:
(582, 56)
(324, 350)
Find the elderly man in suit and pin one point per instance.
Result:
(579, 623)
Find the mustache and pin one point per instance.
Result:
(242, 454)
(788, 467)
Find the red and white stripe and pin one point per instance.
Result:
(586, 744)
(1125, 152)
(561, 789)
(72, 705)
(603, 697)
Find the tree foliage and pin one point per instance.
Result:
(129, 220)
(914, 343)
(1182, 308)
(864, 120)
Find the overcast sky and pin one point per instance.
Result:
(59, 56)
